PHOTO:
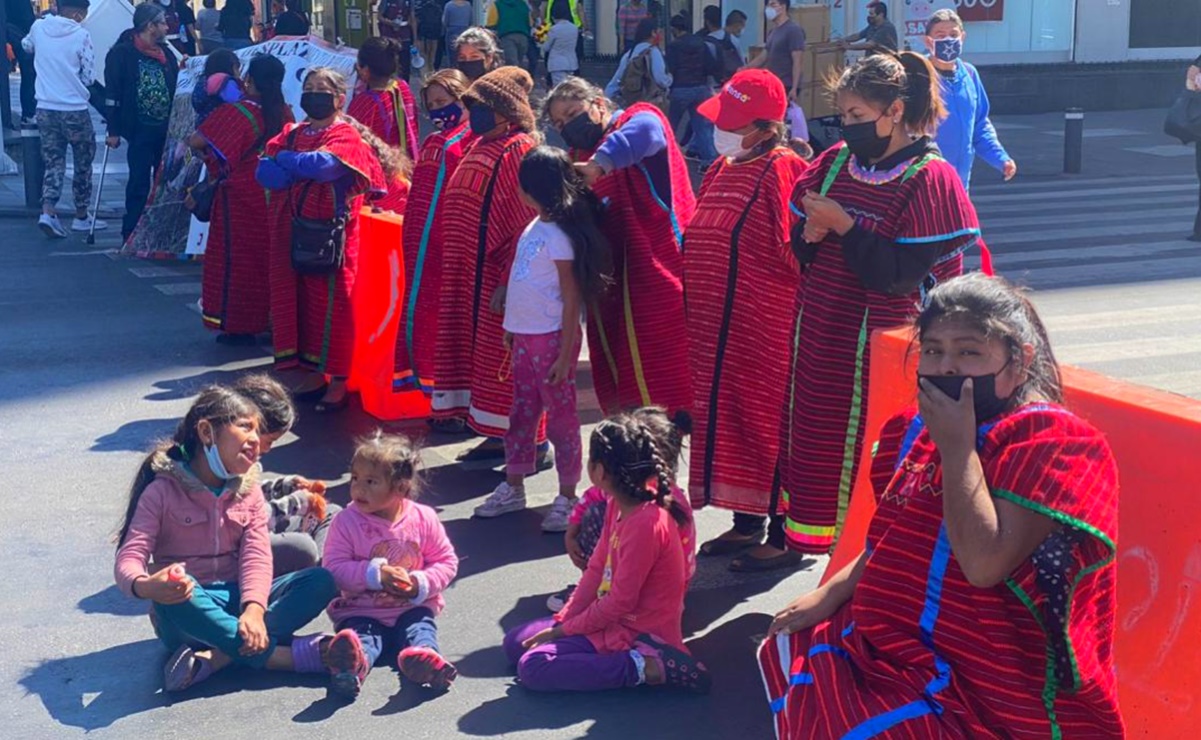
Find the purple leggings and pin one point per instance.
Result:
(533, 357)
(567, 664)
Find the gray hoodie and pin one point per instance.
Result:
(64, 60)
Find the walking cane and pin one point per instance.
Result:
(99, 189)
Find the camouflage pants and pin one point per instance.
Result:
(58, 129)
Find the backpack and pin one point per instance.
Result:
(727, 53)
(638, 84)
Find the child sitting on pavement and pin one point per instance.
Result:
(588, 517)
(298, 514)
(391, 559)
(621, 627)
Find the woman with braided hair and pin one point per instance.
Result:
(621, 627)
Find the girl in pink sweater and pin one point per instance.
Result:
(392, 560)
(194, 543)
(588, 517)
(621, 626)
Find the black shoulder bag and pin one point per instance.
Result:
(318, 244)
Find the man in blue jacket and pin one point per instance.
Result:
(967, 131)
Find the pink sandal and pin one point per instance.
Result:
(184, 669)
(425, 667)
(347, 664)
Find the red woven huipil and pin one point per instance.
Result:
(377, 110)
(235, 255)
(920, 653)
(741, 281)
(422, 229)
(920, 202)
(311, 321)
(483, 216)
(636, 337)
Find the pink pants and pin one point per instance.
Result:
(533, 357)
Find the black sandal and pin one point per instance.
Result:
(748, 564)
(331, 407)
(718, 546)
(311, 395)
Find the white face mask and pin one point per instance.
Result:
(771, 13)
(728, 143)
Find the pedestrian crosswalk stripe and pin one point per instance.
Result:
(1069, 182)
(1087, 217)
(1125, 204)
(1140, 250)
(178, 288)
(1070, 194)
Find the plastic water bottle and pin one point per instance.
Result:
(418, 60)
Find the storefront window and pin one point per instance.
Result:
(1000, 25)
(1164, 24)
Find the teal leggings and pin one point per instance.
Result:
(210, 617)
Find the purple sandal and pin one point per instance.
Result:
(184, 669)
(347, 664)
(680, 670)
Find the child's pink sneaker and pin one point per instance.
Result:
(425, 667)
(347, 664)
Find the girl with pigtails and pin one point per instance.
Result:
(621, 627)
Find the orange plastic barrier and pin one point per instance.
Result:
(1156, 438)
(377, 301)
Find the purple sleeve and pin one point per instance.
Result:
(641, 137)
(316, 166)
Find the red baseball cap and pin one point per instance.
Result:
(750, 95)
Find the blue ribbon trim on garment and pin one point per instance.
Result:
(881, 722)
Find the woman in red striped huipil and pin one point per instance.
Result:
(883, 218)
(739, 272)
(482, 218)
(984, 605)
(325, 167)
(385, 104)
(230, 139)
(635, 333)
(440, 155)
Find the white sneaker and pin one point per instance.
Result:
(556, 519)
(51, 227)
(85, 224)
(556, 602)
(504, 500)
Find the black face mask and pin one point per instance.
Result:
(582, 132)
(474, 68)
(317, 105)
(864, 142)
(984, 393)
(482, 119)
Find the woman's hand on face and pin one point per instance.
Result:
(160, 589)
(803, 613)
(951, 423)
(590, 172)
(253, 630)
(823, 213)
(550, 634)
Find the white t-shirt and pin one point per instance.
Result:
(534, 302)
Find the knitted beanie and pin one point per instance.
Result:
(506, 91)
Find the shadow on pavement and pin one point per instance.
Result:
(491, 662)
(112, 601)
(177, 388)
(95, 690)
(706, 606)
(487, 544)
(135, 436)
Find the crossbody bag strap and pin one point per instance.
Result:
(481, 245)
(843, 155)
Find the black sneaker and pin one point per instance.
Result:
(555, 602)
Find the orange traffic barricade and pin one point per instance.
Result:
(1155, 437)
(378, 302)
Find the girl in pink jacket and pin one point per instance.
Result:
(392, 560)
(194, 543)
(621, 627)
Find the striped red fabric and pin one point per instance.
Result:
(235, 258)
(741, 282)
(376, 109)
(835, 315)
(311, 320)
(422, 231)
(635, 330)
(483, 216)
(396, 198)
(920, 653)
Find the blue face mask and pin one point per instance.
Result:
(948, 50)
(483, 119)
(446, 117)
(213, 457)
